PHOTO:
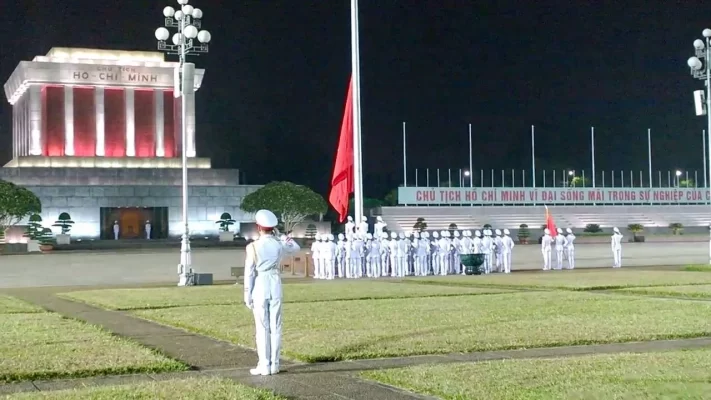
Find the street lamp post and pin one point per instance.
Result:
(187, 20)
(678, 178)
(700, 66)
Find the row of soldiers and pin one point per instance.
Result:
(408, 254)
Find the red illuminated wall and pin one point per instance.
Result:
(169, 143)
(53, 121)
(114, 123)
(84, 122)
(145, 123)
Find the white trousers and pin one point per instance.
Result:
(401, 266)
(435, 263)
(571, 257)
(445, 264)
(354, 266)
(617, 255)
(456, 263)
(546, 259)
(384, 265)
(506, 261)
(329, 268)
(394, 265)
(318, 268)
(421, 265)
(559, 258)
(267, 320)
(373, 267)
(341, 267)
(488, 255)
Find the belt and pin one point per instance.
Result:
(272, 271)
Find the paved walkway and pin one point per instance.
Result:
(211, 357)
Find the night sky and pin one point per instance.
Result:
(272, 100)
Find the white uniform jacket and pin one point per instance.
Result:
(262, 280)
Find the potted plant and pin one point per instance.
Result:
(677, 228)
(420, 225)
(225, 222)
(46, 240)
(452, 227)
(64, 222)
(34, 233)
(523, 234)
(635, 229)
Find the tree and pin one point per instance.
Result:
(676, 227)
(225, 222)
(635, 229)
(34, 229)
(16, 203)
(64, 221)
(420, 225)
(390, 198)
(290, 202)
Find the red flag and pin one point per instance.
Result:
(342, 181)
(550, 224)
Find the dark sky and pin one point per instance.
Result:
(273, 96)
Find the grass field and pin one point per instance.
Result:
(698, 268)
(136, 299)
(668, 375)
(342, 330)
(41, 345)
(11, 305)
(576, 280)
(688, 291)
(193, 389)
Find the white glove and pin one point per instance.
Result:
(249, 303)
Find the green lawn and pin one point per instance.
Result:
(576, 280)
(136, 299)
(193, 389)
(341, 330)
(669, 375)
(690, 291)
(11, 305)
(45, 345)
(698, 268)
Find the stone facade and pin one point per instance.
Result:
(83, 192)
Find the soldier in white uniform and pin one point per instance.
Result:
(570, 248)
(546, 242)
(560, 244)
(394, 254)
(362, 228)
(476, 243)
(498, 249)
(487, 247)
(262, 289)
(373, 261)
(350, 228)
(357, 257)
(403, 251)
(379, 227)
(341, 255)
(506, 250)
(434, 253)
(456, 251)
(384, 254)
(616, 243)
(422, 250)
(328, 251)
(316, 256)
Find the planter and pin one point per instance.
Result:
(639, 239)
(33, 246)
(471, 263)
(63, 239)
(227, 237)
(14, 248)
(45, 248)
(523, 240)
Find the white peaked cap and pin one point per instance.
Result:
(379, 218)
(369, 236)
(331, 237)
(266, 219)
(317, 236)
(615, 230)
(435, 234)
(547, 231)
(341, 236)
(425, 234)
(393, 235)
(365, 218)
(478, 233)
(350, 218)
(507, 232)
(560, 230)
(402, 235)
(569, 230)
(415, 234)
(498, 232)
(456, 233)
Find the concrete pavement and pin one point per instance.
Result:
(160, 266)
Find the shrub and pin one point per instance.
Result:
(523, 232)
(421, 225)
(592, 228)
(635, 228)
(676, 228)
(64, 221)
(225, 222)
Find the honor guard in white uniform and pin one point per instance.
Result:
(506, 250)
(341, 255)
(487, 247)
(373, 262)
(456, 251)
(362, 228)
(570, 248)
(546, 243)
(616, 243)
(357, 257)
(262, 289)
(379, 227)
(316, 256)
(434, 253)
(498, 249)
(393, 252)
(443, 253)
(384, 254)
(403, 251)
(560, 244)
(477, 243)
(350, 229)
(329, 251)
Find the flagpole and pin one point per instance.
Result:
(357, 156)
(471, 171)
(404, 155)
(592, 140)
(649, 154)
(533, 154)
